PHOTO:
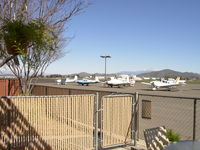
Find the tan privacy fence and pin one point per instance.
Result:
(45, 123)
(117, 123)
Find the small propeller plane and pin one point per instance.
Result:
(67, 80)
(120, 82)
(71, 80)
(87, 82)
(169, 84)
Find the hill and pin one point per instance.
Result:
(134, 72)
(167, 73)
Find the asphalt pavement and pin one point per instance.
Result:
(188, 90)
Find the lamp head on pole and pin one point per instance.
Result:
(106, 56)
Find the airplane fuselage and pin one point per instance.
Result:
(118, 82)
(163, 84)
(86, 82)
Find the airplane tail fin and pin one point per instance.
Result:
(128, 79)
(112, 78)
(75, 78)
(177, 80)
(97, 79)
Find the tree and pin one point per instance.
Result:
(43, 22)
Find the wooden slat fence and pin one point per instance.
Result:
(47, 122)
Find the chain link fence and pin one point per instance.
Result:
(197, 125)
(176, 113)
(47, 122)
(117, 123)
(71, 121)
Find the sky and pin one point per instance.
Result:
(137, 34)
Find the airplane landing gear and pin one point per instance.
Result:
(154, 89)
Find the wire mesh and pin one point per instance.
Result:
(197, 125)
(56, 123)
(117, 120)
(173, 113)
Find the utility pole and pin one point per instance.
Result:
(105, 57)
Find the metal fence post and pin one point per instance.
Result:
(136, 118)
(194, 119)
(133, 127)
(96, 102)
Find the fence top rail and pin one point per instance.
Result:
(119, 95)
(47, 96)
(180, 97)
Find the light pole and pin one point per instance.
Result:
(105, 57)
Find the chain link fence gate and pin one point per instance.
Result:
(117, 121)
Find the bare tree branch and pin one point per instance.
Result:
(6, 60)
(55, 14)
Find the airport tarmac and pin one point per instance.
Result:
(188, 90)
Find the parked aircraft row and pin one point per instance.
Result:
(126, 81)
(123, 81)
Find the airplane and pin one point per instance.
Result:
(164, 84)
(87, 82)
(124, 81)
(71, 80)
(67, 80)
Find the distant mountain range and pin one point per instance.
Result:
(167, 73)
(135, 72)
(85, 74)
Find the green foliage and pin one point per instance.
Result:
(193, 81)
(172, 136)
(19, 36)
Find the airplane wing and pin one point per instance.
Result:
(171, 85)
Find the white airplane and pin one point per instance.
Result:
(71, 80)
(120, 82)
(87, 82)
(164, 84)
(67, 80)
(60, 81)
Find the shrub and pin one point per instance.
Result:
(172, 136)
